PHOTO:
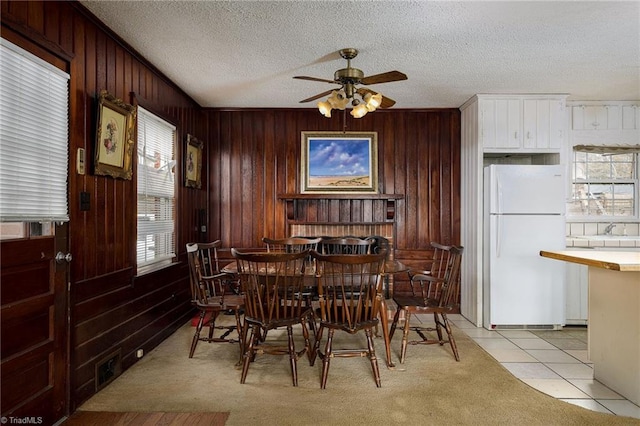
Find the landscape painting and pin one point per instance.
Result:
(339, 162)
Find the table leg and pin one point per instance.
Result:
(384, 320)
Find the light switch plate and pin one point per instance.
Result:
(80, 160)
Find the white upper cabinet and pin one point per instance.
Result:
(604, 122)
(518, 123)
(500, 123)
(595, 117)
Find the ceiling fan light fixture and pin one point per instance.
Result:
(325, 108)
(338, 100)
(372, 101)
(359, 111)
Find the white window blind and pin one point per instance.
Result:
(156, 191)
(34, 136)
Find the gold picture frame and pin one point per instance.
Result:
(115, 137)
(193, 163)
(344, 162)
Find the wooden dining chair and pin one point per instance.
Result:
(295, 245)
(437, 264)
(349, 288)
(434, 293)
(346, 245)
(273, 285)
(291, 244)
(209, 295)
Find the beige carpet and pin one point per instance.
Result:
(431, 388)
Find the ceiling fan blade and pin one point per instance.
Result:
(385, 77)
(304, 77)
(320, 95)
(386, 102)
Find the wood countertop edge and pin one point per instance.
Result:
(589, 260)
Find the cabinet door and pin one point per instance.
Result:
(630, 117)
(500, 120)
(596, 117)
(576, 292)
(543, 124)
(535, 115)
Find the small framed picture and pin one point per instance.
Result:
(115, 137)
(339, 162)
(193, 163)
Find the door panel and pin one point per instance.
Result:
(33, 326)
(523, 287)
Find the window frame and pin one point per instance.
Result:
(634, 180)
(171, 257)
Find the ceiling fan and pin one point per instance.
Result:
(349, 78)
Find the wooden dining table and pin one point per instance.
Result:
(390, 267)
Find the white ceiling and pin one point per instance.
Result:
(243, 54)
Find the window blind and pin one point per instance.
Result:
(34, 136)
(156, 191)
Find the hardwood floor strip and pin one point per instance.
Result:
(101, 418)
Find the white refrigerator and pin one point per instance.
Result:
(524, 212)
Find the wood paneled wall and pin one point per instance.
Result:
(251, 157)
(111, 309)
(256, 156)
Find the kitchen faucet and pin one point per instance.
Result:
(609, 228)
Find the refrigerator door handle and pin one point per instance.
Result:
(499, 192)
(498, 234)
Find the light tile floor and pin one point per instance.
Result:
(553, 361)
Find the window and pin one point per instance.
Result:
(155, 246)
(34, 140)
(605, 183)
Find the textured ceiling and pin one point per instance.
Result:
(244, 53)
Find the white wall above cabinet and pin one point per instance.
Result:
(522, 123)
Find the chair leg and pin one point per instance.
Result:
(312, 317)
(326, 359)
(292, 355)
(196, 335)
(438, 328)
(405, 335)
(249, 353)
(242, 335)
(452, 341)
(316, 345)
(396, 318)
(212, 325)
(372, 357)
(307, 342)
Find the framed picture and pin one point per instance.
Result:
(115, 137)
(193, 163)
(339, 162)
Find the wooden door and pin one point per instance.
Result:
(34, 328)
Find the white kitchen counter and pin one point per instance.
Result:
(614, 316)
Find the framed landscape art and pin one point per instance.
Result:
(114, 137)
(339, 162)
